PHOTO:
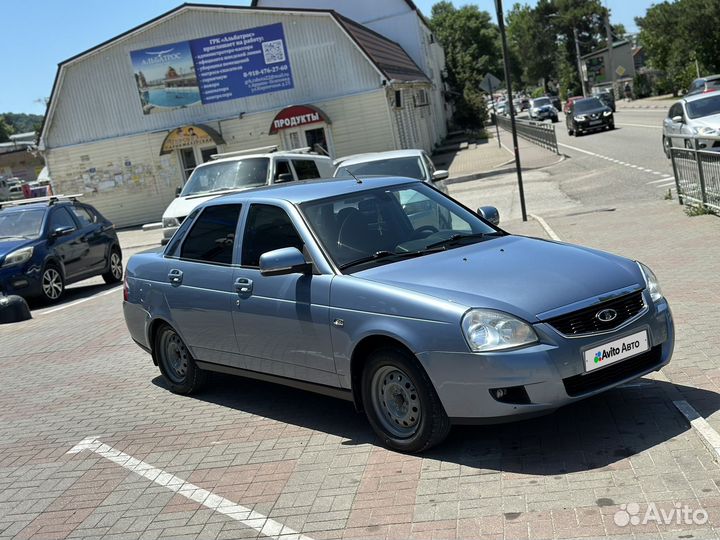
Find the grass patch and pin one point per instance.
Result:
(699, 210)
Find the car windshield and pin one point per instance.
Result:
(384, 225)
(704, 107)
(21, 223)
(409, 167)
(236, 174)
(589, 104)
(541, 102)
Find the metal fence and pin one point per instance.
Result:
(540, 133)
(696, 169)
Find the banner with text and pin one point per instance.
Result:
(212, 69)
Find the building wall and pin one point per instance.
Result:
(131, 184)
(97, 97)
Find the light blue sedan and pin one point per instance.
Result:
(385, 292)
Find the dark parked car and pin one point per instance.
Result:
(587, 115)
(555, 102)
(48, 243)
(608, 98)
(570, 101)
(703, 85)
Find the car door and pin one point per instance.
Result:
(71, 248)
(281, 322)
(92, 233)
(199, 289)
(673, 128)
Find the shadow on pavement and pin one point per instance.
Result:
(593, 434)
(74, 292)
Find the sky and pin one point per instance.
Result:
(37, 40)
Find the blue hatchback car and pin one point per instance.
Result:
(388, 293)
(48, 243)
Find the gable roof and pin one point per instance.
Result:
(388, 56)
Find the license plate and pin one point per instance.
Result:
(614, 351)
(595, 122)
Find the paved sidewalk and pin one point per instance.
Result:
(656, 102)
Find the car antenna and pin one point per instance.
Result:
(351, 174)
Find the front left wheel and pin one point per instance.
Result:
(176, 363)
(401, 403)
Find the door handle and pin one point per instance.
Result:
(175, 276)
(243, 286)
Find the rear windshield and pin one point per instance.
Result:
(241, 174)
(589, 104)
(21, 224)
(704, 107)
(408, 166)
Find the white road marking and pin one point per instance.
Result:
(261, 523)
(82, 300)
(665, 185)
(658, 173)
(661, 180)
(545, 226)
(643, 169)
(639, 125)
(709, 436)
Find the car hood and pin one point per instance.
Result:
(712, 121)
(8, 246)
(597, 111)
(523, 276)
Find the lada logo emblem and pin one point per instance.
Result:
(606, 315)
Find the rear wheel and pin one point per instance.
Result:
(176, 363)
(115, 269)
(401, 403)
(52, 283)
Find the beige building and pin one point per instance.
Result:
(129, 119)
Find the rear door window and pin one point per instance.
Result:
(306, 169)
(83, 215)
(212, 236)
(282, 167)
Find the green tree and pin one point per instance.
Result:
(471, 44)
(531, 42)
(5, 130)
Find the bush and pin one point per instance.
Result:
(641, 86)
(538, 92)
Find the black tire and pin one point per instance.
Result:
(415, 402)
(52, 283)
(611, 126)
(570, 132)
(115, 270)
(176, 364)
(554, 119)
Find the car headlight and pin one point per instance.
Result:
(18, 256)
(651, 281)
(607, 113)
(706, 131)
(580, 118)
(488, 330)
(170, 222)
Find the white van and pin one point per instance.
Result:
(237, 171)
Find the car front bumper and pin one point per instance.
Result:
(551, 372)
(22, 280)
(599, 123)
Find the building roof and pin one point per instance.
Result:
(596, 52)
(389, 57)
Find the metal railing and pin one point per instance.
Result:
(696, 167)
(539, 133)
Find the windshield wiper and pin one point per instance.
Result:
(383, 254)
(458, 238)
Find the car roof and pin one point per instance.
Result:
(377, 156)
(265, 155)
(8, 206)
(311, 190)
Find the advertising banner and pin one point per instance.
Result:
(212, 69)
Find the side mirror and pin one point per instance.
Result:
(284, 177)
(677, 119)
(280, 262)
(489, 213)
(61, 231)
(440, 175)
(178, 190)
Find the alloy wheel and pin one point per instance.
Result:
(52, 284)
(396, 401)
(116, 265)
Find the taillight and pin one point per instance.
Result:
(126, 289)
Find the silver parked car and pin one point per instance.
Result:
(390, 294)
(696, 115)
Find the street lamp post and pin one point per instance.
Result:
(508, 83)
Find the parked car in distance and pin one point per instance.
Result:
(542, 108)
(411, 163)
(703, 85)
(555, 101)
(696, 115)
(389, 294)
(588, 114)
(236, 171)
(569, 103)
(46, 244)
(10, 189)
(607, 97)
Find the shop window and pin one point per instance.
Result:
(306, 169)
(398, 99)
(212, 237)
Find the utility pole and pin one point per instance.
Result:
(579, 64)
(611, 66)
(508, 83)
(492, 100)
